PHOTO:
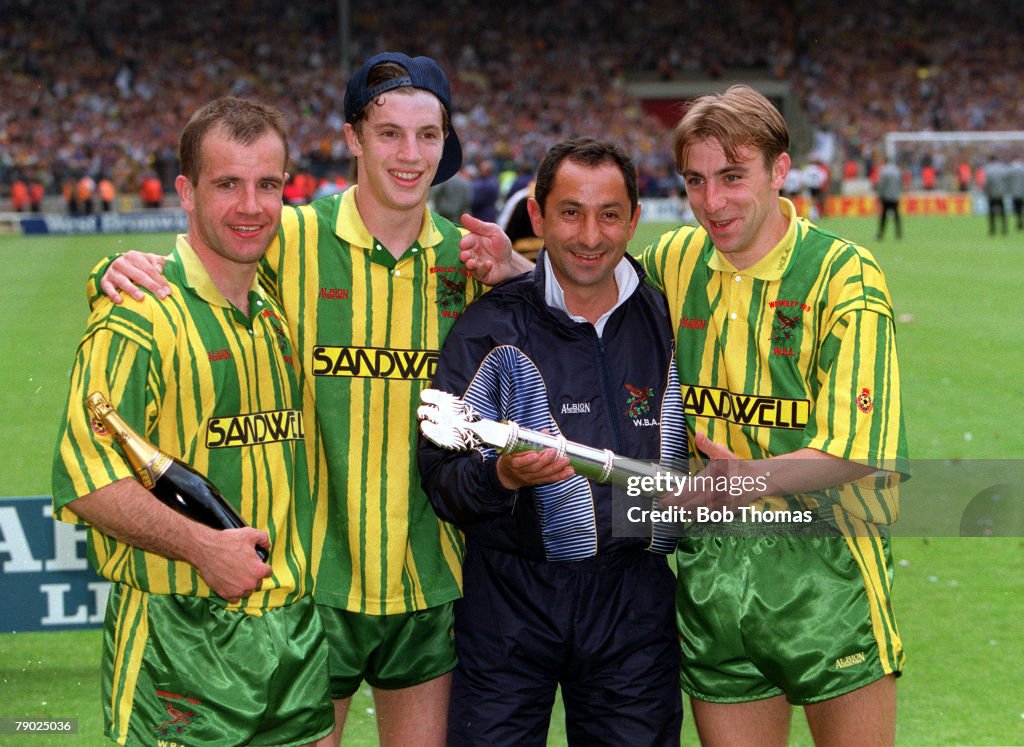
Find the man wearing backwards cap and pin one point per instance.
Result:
(371, 282)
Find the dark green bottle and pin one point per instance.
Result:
(171, 480)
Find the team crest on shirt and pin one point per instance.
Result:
(639, 402)
(864, 402)
(98, 427)
(784, 329)
(786, 325)
(638, 405)
(451, 293)
(181, 713)
(282, 339)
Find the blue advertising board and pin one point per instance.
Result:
(143, 221)
(46, 582)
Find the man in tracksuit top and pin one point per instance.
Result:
(553, 595)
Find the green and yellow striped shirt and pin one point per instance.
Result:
(207, 385)
(369, 329)
(796, 351)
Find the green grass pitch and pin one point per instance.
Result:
(958, 599)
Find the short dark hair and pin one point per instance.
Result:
(589, 152)
(243, 121)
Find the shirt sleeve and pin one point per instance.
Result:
(117, 365)
(858, 416)
(670, 262)
(270, 266)
(652, 267)
(93, 293)
(857, 413)
(463, 485)
(92, 284)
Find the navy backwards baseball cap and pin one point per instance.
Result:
(423, 73)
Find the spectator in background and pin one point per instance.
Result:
(816, 178)
(19, 196)
(928, 176)
(794, 184)
(997, 187)
(35, 195)
(70, 196)
(333, 185)
(84, 188)
(307, 185)
(485, 193)
(523, 178)
(294, 194)
(515, 221)
(453, 197)
(1017, 189)
(850, 170)
(151, 192)
(963, 176)
(54, 101)
(889, 187)
(107, 192)
(507, 174)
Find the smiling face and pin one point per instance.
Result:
(234, 207)
(737, 202)
(586, 224)
(399, 145)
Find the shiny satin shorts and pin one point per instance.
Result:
(391, 652)
(807, 617)
(182, 670)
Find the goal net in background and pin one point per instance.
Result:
(943, 172)
(947, 151)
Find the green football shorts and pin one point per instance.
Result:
(181, 670)
(807, 617)
(390, 652)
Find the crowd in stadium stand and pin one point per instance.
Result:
(101, 89)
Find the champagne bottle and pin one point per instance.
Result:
(172, 481)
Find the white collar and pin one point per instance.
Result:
(625, 278)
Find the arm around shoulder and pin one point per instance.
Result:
(126, 272)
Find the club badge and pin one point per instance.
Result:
(864, 402)
(181, 713)
(452, 293)
(639, 402)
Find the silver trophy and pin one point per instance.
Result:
(451, 423)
